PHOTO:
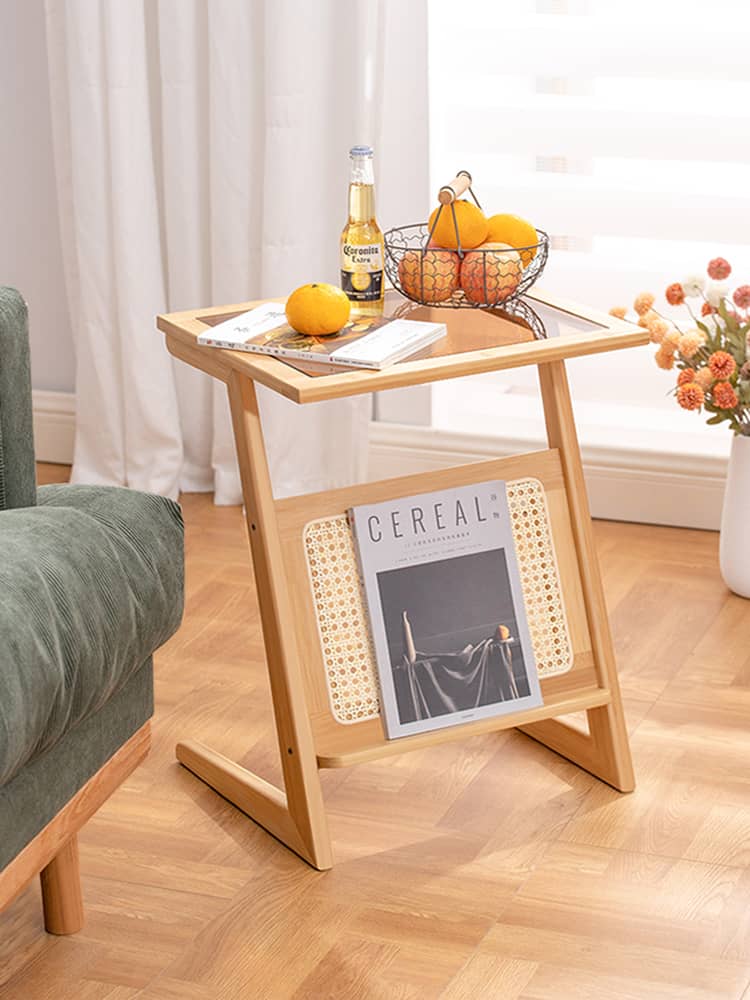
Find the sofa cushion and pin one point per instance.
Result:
(91, 583)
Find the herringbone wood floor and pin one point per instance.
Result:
(485, 869)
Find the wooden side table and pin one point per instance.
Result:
(312, 733)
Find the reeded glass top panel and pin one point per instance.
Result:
(525, 320)
(478, 329)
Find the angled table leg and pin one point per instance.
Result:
(605, 752)
(296, 816)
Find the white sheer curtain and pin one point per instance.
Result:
(201, 158)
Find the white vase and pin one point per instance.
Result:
(734, 550)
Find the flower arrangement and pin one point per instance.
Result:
(712, 357)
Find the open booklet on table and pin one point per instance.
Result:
(365, 342)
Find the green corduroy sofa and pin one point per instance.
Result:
(91, 584)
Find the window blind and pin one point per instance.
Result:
(620, 129)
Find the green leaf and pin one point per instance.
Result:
(716, 419)
(729, 318)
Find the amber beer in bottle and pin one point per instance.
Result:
(362, 241)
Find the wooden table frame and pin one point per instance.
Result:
(307, 741)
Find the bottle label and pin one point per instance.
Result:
(362, 286)
(362, 271)
(361, 256)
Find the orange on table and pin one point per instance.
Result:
(490, 273)
(516, 232)
(472, 226)
(318, 309)
(429, 275)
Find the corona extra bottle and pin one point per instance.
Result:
(362, 241)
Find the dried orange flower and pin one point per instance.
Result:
(618, 311)
(724, 396)
(643, 303)
(657, 329)
(675, 294)
(690, 343)
(742, 296)
(665, 357)
(647, 318)
(690, 396)
(704, 378)
(685, 376)
(722, 365)
(707, 309)
(671, 339)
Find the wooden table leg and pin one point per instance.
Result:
(605, 752)
(296, 816)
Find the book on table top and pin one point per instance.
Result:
(365, 342)
(446, 608)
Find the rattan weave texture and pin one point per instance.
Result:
(340, 608)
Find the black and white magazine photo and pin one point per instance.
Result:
(452, 636)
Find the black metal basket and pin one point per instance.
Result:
(497, 280)
(490, 277)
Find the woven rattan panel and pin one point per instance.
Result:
(339, 601)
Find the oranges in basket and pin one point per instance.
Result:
(429, 275)
(490, 274)
(516, 232)
(466, 258)
(473, 227)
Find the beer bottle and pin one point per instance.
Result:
(362, 248)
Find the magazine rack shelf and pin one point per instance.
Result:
(310, 735)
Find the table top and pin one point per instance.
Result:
(535, 330)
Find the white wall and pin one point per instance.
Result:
(30, 254)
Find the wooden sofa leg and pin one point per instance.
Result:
(61, 891)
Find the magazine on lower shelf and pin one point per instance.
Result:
(446, 608)
(372, 342)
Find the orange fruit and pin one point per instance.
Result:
(472, 226)
(516, 232)
(318, 310)
(490, 273)
(429, 275)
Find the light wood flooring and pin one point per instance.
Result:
(486, 869)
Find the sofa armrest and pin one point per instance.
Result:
(17, 469)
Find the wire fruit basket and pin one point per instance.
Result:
(487, 276)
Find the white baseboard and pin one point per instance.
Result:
(624, 484)
(54, 426)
